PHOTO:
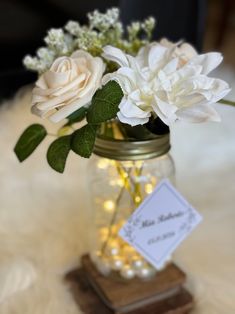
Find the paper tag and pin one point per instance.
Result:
(162, 221)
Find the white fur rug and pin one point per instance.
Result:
(44, 225)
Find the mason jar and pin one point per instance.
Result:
(121, 174)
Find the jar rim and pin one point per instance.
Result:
(121, 149)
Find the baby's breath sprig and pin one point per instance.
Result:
(74, 28)
(34, 64)
(103, 21)
(59, 41)
(58, 44)
(148, 25)
(102, 29)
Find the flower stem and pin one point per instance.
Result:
(135, 195)
(113, 219)
(227, 102)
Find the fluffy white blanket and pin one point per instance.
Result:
(44, 221)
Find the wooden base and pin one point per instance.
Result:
(163, 294)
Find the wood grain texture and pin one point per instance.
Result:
(118, 293)
(90, 303)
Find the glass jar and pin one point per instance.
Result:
(121, 174)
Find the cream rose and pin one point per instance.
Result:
(67, 86)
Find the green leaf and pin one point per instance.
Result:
(58, 152)
(83, 140)
(76, 116)
(29, 141)
(104, 105)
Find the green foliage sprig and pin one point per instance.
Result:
(104, 106)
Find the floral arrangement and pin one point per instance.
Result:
(107, 75)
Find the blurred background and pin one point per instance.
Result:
(207, 24)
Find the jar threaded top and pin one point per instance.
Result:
(132, 149)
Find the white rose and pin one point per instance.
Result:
(69, 84)
(153, 81)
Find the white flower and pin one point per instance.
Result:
(45, 54)
(133, 29)
(55, 37)
(183, 51)
(59, 41)
(103, 21)
(87, 39)
(73, 28)
(154, 81)
(67, 86)
(33, 63)
(148, 26)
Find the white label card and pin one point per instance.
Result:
(162, 221)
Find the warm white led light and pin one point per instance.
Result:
(148, 188)
(109, 205)
(103, 163)
(137, 199)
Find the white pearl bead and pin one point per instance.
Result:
(146, 272)
(127, 272)
(103, 266)
(113, 251)
(117, 263)
(137, 262)
(113, 248)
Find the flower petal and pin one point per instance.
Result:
(41, 83)
(164, 110)
(129, 109)
(198, 114)
(220, 90)
(81, 54)
(116, 55)
(56, 79)
(157, 55)
(208, 61)
(71, 85)
(68, 109)
(131, 121)
(171, 66)
(188, 50)
(94, 80)
(123, 81)
(55, 101)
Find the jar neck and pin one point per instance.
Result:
(132, 150)
(122, 142)
(114, 129)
